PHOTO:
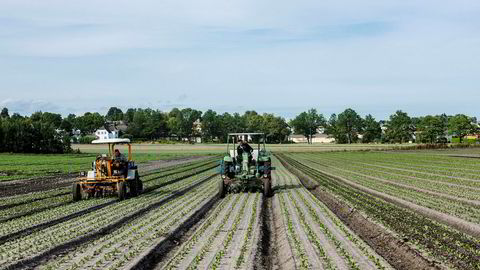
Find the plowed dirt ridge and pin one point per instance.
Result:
(316, 238)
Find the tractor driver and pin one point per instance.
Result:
(244, 147)
(118, 163)
(119, 156)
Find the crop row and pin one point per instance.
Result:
(127, 242)
(225, 238)
(440, 241)
(42, 240)
(444, 198)
(64, 210)
(439, 178)
(316, 235)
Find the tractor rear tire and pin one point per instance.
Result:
(139, 186)
(221, 189)
(133, 187)
(77, 192)
(267, 187)
(122, 190)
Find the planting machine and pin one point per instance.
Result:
(111, 173)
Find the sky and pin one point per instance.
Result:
(283, 57)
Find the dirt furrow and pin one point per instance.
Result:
(136, 236)
(363, 255)
(460, 224)
(234, 250)
(67, 237)
(194, 244)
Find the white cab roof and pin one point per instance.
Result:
(105, 141)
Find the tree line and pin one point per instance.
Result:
(35, 134)
(350, 127)
(45, 132)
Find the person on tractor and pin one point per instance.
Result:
(119, 156)
(244, 147)
(119, 163)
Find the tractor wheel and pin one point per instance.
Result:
(267, 187)
(77, 192)
(221, 188)
(133, 187)
(122, 190)
(139, 186)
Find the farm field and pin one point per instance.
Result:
(329, 210)
(429, 200)
(309, 236)
(61, 231)
(28, 166)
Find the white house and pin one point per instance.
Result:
(104, 134)
(317, 138)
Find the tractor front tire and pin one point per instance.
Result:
(221, 189)
(122, 190)
(267, 187)
(77, 192)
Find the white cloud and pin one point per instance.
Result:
(329, 54)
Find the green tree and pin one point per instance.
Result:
(399, 127)
(89, 122)
(307, 123)
(211, 125)
(372, 130)
(4, 113)
(128, 116)
(114, 114)
(180, 122)
(276, 128)
(461, 125)
(430, 129)
(350, 124)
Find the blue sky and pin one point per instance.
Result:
(271, 56)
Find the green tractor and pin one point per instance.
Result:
(246, 168)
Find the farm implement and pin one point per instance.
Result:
(245, 168)
(111, 173)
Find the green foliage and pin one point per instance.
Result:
(432, 129)
(400, 127)
(146, 124)
(114, 114)
(181, 122)
(461, 125)
(4, 113)
(307, 123)
(89, 122)
(372, 130)
(32, 135)
(211, 125)
(86, 139)
(350, 124)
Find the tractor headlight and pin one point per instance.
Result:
(223, 176)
